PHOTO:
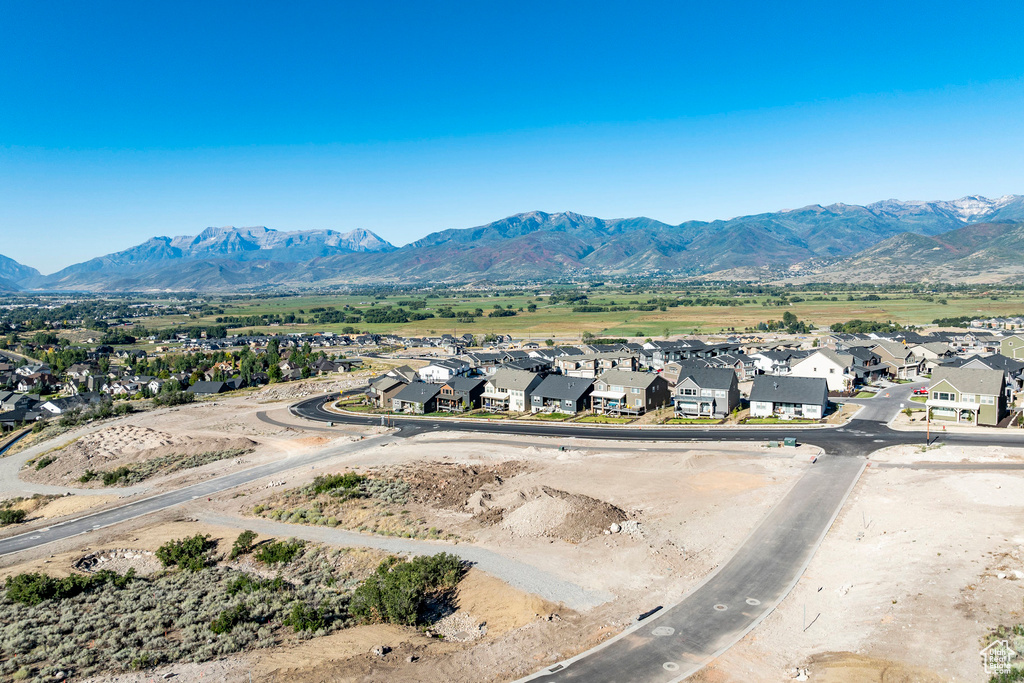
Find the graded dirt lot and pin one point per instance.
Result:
(679, 512)
(920, 566)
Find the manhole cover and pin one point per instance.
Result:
(663, 631)
(753, 602)
(670, 666)
(720, 607)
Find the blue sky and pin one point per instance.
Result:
(120, 121)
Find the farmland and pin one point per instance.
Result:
(605, 311)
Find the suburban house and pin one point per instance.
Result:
(623, 391)
(560, 394)
(742, 364)
(1014, 369)
(460, 393)
(510, 390)
(417, 398)
(443, 370)
(593, 364)
(778, 362)
(212, 388)
(899, 360)
(383, 389)
(60, 406)
(934, 354)
(1012, 347)
(404, 373)
(706, 392)
(967, 395)
(789, 396)
(836, 368)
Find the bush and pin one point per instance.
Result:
(246, 583)
(44, 461)
(330, 482)
(304, 618)
(395, 593)
(32, 589)
(243, 544)
(191, 553)
(112, 477)
(226, 621)
(279, 552)
(173, 398)
(88, 476)
(12, 517)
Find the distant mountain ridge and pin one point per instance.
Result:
(537, 246)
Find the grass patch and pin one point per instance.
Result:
(865, 394)
(692, 421)
(919, 399)
(777, 421)
(606, 419)
(488, 416)
(554, 417)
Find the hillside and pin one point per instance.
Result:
(985, 252)
(813, 240)
(14, 272)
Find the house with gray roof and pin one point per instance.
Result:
(460, 394)
(383, 389)
(784, 396)
(706, 392)
(561, 394)
(417, 398)
(970, 395)
(510, 390)
(627, 392)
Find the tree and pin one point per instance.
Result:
(274, 373)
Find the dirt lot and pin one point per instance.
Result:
(919, 567)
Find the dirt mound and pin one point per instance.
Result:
(126, 445)
(551, 513)
(450, 486)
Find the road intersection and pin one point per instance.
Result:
(678, 640)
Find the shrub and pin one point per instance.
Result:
(32, 589)
(12, 517)
(279, 552)
(88, 476)
(191, 553)
(304, 618)
(173, 398)
(112, 477)
(246, 583)
(226, 621)
(44, 461)
(330, 482)
(243, 544)
(395, 593)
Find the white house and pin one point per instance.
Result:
(788, 396)
(510, 390)
(835, 368)
(441, 371)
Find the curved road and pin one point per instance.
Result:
(676, 641)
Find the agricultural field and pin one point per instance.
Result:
(601, 311)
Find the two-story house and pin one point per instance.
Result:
(561, 394)
(442, 370)
(968, 395)
(1012, 347)
(633, 393)
(836, 368)
(510, 390)
(460, 394)
(706, 392)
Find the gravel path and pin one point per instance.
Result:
(517, 574)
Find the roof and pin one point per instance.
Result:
(563, 388)
(970, 380)
(996, 362)
(809, 390)
(449, 363)
(843, 360)
(507, 378)
(465, 383)
(709, 378)
(418, 392)
(207, 388)
(628, 378)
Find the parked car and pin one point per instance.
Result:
(921, 391)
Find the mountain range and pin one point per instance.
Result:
(972, 237)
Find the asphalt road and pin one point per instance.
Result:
(208, 488)
(680, 640)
